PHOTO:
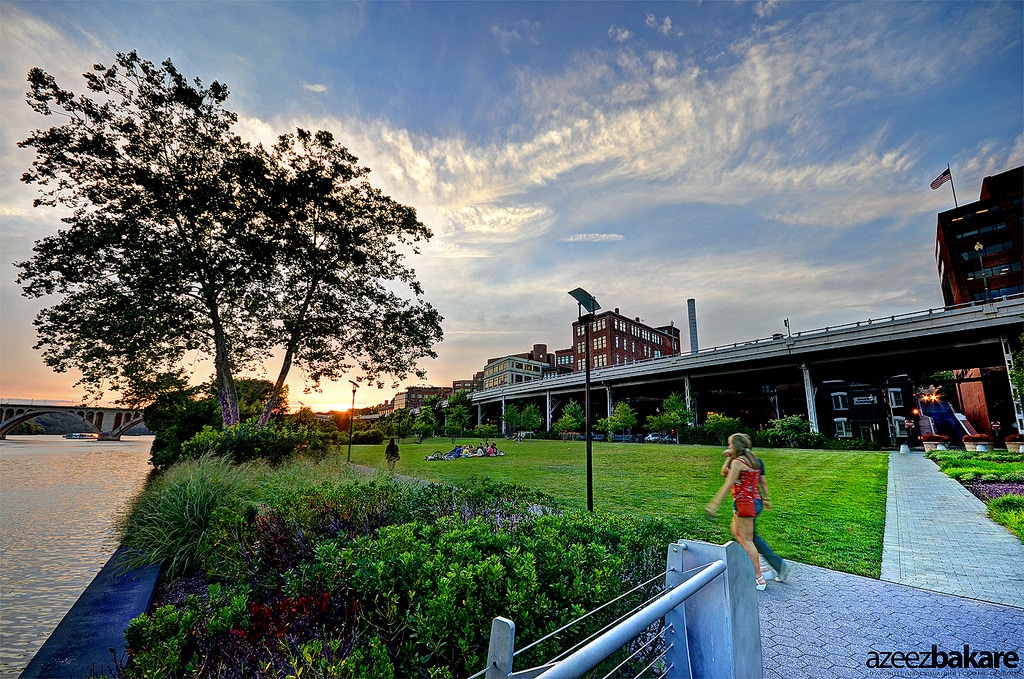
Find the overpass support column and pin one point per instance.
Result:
(479, 413)
(503, 415)
(1015, 397)
(688, 394)
(611, 404)
(812, 411)
(547, 410)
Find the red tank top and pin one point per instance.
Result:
(745, 487)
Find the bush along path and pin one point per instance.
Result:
(310, 574)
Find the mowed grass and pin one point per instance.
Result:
(828, 506)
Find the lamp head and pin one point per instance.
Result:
(585, 299)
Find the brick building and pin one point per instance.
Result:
(617, 340)
(979, 246)
(413, 397)
(979, 252)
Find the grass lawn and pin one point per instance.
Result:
(993, 466)
(828, 506)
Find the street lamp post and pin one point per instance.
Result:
(979, 248)
(586, 301)
(351, 419)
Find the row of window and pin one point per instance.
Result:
(844, 428)
(987, 250)
(981, 230)
(841, 400)
(991, 271)
(972, 215)
(998, 293)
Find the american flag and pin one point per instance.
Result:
(941, 179)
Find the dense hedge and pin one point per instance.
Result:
(385, 579)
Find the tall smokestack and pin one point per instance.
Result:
(691, 310)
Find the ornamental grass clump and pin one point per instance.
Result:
(169, 521)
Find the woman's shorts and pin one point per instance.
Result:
(748, 508)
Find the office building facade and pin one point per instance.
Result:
(979, 247)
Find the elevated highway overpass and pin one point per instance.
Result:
(795, 366)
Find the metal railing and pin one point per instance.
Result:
(710, 629)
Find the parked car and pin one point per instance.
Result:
(654, 437)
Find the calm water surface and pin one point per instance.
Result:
(59, 502)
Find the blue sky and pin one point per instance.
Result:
(769, 159)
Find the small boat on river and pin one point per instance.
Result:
(87, 435)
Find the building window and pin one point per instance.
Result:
(843, 429)
(840, 401)
(896, 398)
(900, 425)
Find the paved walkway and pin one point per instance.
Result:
(823, 624)
(950, 577)
(938, 537)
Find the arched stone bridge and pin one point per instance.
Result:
(111, 423)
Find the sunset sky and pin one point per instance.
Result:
(769, 159)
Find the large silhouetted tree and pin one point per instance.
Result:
(338, 267)
(182, 240)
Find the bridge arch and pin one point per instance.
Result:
(120, 419)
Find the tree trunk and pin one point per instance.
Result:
(275, 393)
(227, 395)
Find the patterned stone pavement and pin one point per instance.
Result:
(950, 578)
(938, 537)
(824, 624)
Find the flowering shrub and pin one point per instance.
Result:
(1013, 437)
(980, 438)
(937, 438)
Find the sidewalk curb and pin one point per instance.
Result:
(80, 645)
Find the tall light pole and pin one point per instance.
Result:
(586, 301)
(979, 248)
(351, 419)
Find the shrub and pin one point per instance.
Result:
(977, 438)
(169, 521)
(1009, 511)
(936, 438)
(407, 599)
(1013, 437)
(249, 441)
(367, 437)
(719, 428)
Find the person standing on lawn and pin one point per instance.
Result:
(743, 478)
(391, 454)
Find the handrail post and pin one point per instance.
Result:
(501, 648)
(722, 624)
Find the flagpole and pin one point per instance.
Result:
(955, 204)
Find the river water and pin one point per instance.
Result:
(59, 503)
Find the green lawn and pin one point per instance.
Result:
(828, 506)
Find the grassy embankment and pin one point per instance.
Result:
(993, 466)
(828, 506)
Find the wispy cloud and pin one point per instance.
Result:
(508, 36)
(663, 26)
(315, 87)
(591, 237)
(619, 34)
